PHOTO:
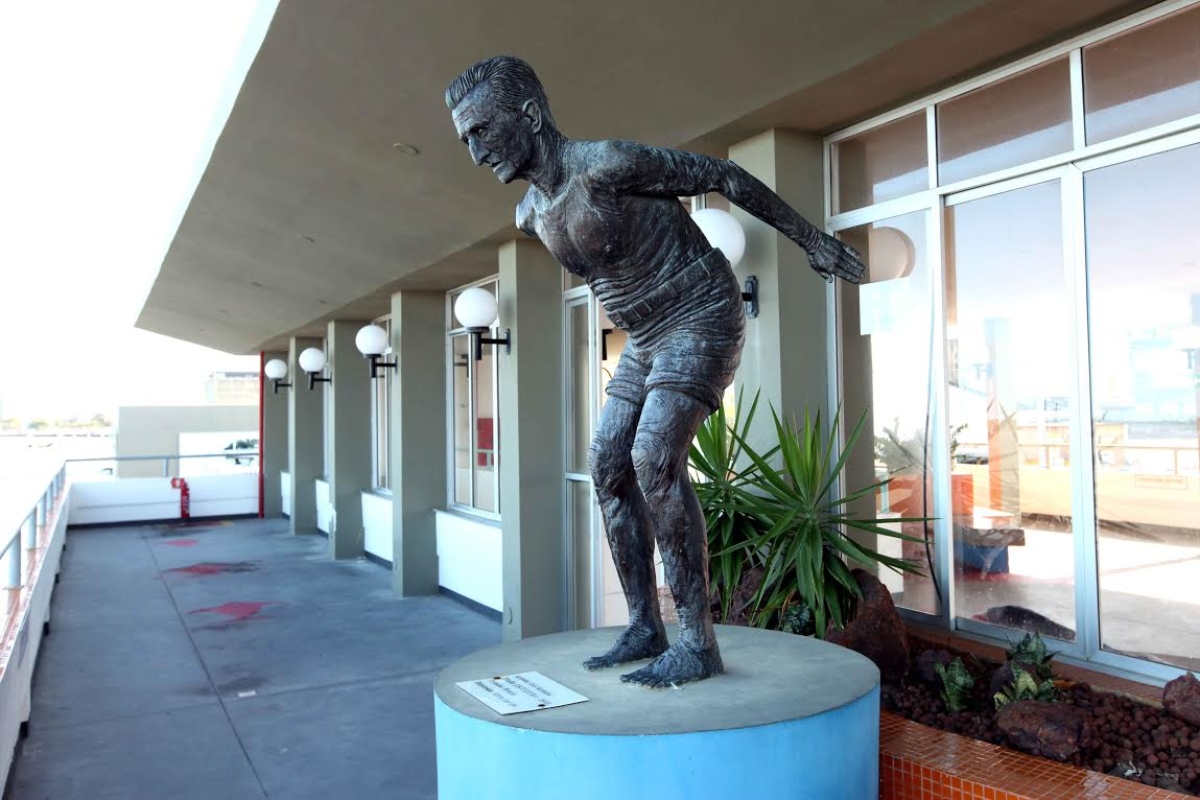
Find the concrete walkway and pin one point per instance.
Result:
(235, 661)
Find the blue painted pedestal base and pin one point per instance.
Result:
(791, 718)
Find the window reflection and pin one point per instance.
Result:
(461, 370)
(1144, 312)
(882, 164)
(887, 340)
(1009, 415)
(1142, 78)
(1014, 121)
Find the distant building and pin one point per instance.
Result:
(231, 388)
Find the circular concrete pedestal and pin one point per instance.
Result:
(792, 717)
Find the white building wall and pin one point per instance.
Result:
(469, 558)
(377, 524)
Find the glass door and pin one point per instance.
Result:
(1143, 270)
(1012, 406)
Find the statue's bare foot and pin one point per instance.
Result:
(635, 643)
(680, 664)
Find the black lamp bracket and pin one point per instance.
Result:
(314, 379)
(478, 340)
(750, 296)
(378, 363)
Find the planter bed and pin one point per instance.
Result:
(917, 762)
(1146, 751)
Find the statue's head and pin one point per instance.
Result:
(500, 111)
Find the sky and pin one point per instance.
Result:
(110, 112)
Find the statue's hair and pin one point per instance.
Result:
(511, 80)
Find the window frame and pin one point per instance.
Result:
(455, 331)
(381, 424)
(1070, 168)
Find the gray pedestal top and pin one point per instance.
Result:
(769, 677)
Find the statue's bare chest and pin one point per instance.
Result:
(587, 234)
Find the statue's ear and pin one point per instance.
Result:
(533, 113)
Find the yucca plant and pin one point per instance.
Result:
(723, 477)
(801, 539)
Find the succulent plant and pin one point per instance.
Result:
(1031, 655)
(1026, 687)
(957, 684)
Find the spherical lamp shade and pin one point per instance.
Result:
(891, 254)
(275, 369)
(476, 308)
(312, 360)
(371, 340)
(723, 232)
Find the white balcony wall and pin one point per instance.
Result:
(140, 499)
(469, 558)
(285, 492)
(377, 524)
(324, 507)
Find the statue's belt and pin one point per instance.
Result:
(687, 282)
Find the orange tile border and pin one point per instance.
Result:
(917, 762)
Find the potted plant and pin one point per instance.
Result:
(776, 513)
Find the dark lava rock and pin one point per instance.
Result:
(1002, 678)
(1182, 698)
(925, 665)
(1053, 730)
(876, 630)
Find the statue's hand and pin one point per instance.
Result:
(835, 259)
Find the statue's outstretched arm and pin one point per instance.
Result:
(631, 168)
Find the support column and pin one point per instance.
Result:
(530, 436)
(349, 398)
(786, 352)
(418, 438)
(305, 440)
(273, 449)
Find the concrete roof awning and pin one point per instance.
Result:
(308, 210)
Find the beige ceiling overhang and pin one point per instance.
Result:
(307, 210)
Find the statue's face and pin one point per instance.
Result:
(497, 137)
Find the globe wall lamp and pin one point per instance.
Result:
(312, 361)
(725, 233)
(475, 309)
(276, 370)
(372, 342)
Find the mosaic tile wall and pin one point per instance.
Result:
(921, 763)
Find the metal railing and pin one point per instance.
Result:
(40, 502)
(237, 456)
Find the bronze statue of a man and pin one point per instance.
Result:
(610, 213)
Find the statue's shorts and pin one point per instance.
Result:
(685, 334)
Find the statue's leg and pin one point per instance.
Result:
(668, 424)
(630, 534)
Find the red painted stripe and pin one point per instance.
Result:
(262, 440)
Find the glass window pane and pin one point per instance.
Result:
(1144, 312)
(882, 164)
(886, 357)
(1010, 375)
(1142, 78)
(579, 374)
(612, 344)
(579, 517)
(571, 280)
(1018, 120)
(462, 420)
(484, 461)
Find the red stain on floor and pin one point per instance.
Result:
(182, 542)
(200, 569)
(238, 610)
(215, 568)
